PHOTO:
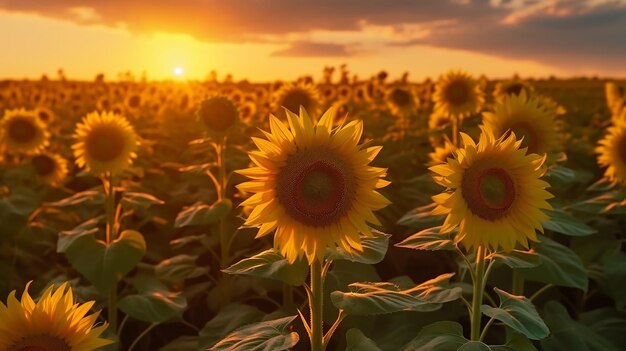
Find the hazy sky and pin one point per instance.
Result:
(282, 39)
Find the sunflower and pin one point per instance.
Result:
(511, 87)
(401, 100)
(313, 185)
(21, 131)
(344, 92)
(442, 153)
(45, 115)
(54, 323)
(458, 94)
(611, 152)
(525, 117)
(218, 114)
(494, 196)
(105, 142)
(437, 123)
(50, 168)
(292, 96)
(614, 97)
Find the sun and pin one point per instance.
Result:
(179, 71)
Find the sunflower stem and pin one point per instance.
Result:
(109, 190)
(477, 297)
(517, 287)
(316, 304)
(455, 130)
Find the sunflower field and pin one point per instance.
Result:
(461, 213)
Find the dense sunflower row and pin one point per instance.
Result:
(310, 177)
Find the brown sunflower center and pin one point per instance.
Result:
(621, 148)
(218, 114)
(457, 92)
(43, 165)
(40, 343)
(401, 97)
(525, 130)
(296, 98)
(22, 130)
(489, 192)
(43, 116)
(105, 143)
(514, 89)
(134, 101)
(315, 187)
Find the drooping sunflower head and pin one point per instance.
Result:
(218, 114)
(512, 87)
(401, 100)
(292, 96)
(54, 323)
(313, 185)
(528, 120)
(458, 94)
(22, 132)
(105, 142)
(495, 196)
(50, 168)
(611, 152)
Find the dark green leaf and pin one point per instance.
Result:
(271, 264)
(374, 250)
(474, 346)
(154, 303)
(264, 336)
(202, 214)
(518, 313)
(179, 267)
(229, 318)
(518, 258)
(428, 239)
(356, 341)
(439, 336)
(563, 223)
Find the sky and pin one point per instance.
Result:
(264, 40)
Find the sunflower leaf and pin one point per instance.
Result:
(357, 341)
(428, 239)
(154, 303)
(203, 214)
(269, 335)
(374, 250)
(438, 336)
(518, 313)
(271, 264)
(562, 222)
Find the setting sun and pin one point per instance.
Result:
(178, 71)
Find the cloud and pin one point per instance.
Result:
(312, 49)
(577, 34)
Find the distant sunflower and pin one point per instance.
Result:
(54, 323)
(458, 94)
(218, 114)
(292, 96)
(22, 132)
(401, 100)
(611, 152)
(134, 101)
(495, 196)
(437, 123)
(105, 142)
(344, 92)
(512, 87)
(50, 168)
(45, 115)
(442, 153)
(614, 97)
(313, 185)
(248, 111)
(525, 117)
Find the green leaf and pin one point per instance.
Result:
(421, 217)
(515, 342)
(558, 265)
(560, 174)
(356, 341)
(612, 202)
(179, 267)
(615, 270)
(564, 223)
(270, 335)
(518, 258)
(103, 265)
(155, 303)
(182, 343)
(271, 264)
(568, 334)
(518, 313)
(439, 336)
(374, 250)
(428, 239)
(474, 346)
(202, 214)
(132, 199)
(91, 197)
(229, 318)
(366, 299)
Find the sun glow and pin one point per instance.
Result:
(178, 71)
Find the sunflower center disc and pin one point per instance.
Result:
(134, 101)
(296, 98)
(401, 97)
(314, 189)
(457, 93)
(22, 130)
(526, 131)
(43, 165)
(218, 114)
(105, 143)
(40, 343)
(489, 192)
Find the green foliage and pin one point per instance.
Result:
(271, 264)
(518, 313)
(270, 335)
